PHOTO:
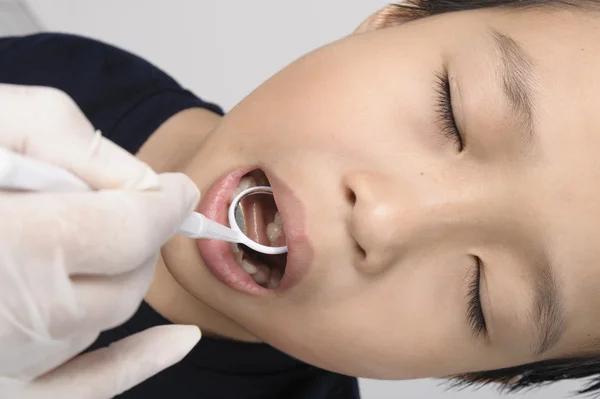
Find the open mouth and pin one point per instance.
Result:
(277, 220)
(259, 218)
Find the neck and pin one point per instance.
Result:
(170, 149)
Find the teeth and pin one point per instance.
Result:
(245, 184)
(263, 274)
(277, 219)
(249, 267)
(238, 257)
(275, 279)
(237, 253)
(273, 232)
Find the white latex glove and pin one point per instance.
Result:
(75, 264)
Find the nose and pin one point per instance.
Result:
(390, 218)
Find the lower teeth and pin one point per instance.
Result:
(249, 267)
(263, 275)
(245, 184)
(275, 279)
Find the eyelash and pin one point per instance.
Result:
(475, 314)
(445, 112)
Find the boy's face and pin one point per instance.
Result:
(403, 230)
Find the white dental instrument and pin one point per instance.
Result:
(18, 172)
(199, 226)
(236, 205)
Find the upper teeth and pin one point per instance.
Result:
(275, 229)
(273, 232)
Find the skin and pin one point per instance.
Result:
(360, 114)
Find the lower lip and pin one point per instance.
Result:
(218, 255)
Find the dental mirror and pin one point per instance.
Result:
(254, 214)
(254, 221)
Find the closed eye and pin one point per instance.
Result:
(475, 315)
(445, 112)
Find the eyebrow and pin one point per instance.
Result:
(548, 310)
(516, 74)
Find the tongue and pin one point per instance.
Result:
(259, 211)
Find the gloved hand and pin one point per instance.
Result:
(74, 264)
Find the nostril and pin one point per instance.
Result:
(361, 252)
(351, 196)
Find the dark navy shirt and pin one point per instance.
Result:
(127, 99)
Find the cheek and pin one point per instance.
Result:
(406, 324)
(327, 105)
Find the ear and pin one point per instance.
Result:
(391, 15)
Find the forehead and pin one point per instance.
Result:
(564, 183)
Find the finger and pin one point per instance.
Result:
(108, 232)
(103, 302)
(46, 124)
(38, 357)
(110, 371)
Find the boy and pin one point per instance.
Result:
(435, 175)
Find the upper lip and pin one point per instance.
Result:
(292, 214)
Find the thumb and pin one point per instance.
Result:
(46, 124)
(110, 371)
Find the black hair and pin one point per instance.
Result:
(422, 8)
(518, 378)
(533, 375)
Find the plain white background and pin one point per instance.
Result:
(222, 50)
